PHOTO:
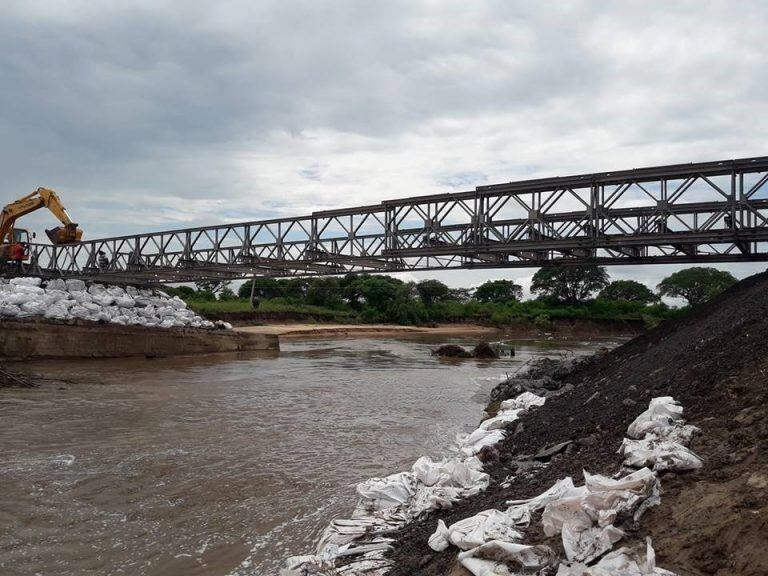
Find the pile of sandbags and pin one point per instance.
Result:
(588, 518)
(387, 504)
(74, 300)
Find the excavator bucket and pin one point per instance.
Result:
(64, 234)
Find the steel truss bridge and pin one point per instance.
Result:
(685, 213)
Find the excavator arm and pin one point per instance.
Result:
(40, 198)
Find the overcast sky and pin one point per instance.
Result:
(148, 115)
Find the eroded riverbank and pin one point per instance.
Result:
(221, 465)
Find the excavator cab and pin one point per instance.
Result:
(20, 235)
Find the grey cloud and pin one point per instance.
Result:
(160, 114)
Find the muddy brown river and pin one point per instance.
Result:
(220, 465)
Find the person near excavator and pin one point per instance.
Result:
(17, 255)
(102, 261)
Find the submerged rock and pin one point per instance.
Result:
(452, 351)
(485, 350)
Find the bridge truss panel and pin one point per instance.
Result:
(707, 212)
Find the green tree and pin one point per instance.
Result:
(628, 291)
(696, 285)
(499, 291)
(462, 295)
(324, 292)
(266, 289)
(212, 286)
(569, 284)
(431, 291)
(183, 292)
(226, 293)
(295, 288)
(350, 289)
(378, 292)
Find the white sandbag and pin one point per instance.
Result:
(507, 559)
(9, 310)
(80, 296)
(124, 301)
(561, 489)
(479, 439)
(585, 519)
(93, 289)
(56, 312)
(7, 288)
(74, 285)
(147, 312)
(18, 298)
(682, 434)
(29, 290)
(80, 312)
(661, 455)
(116, 292)
(51, 296)
(483, 527)
(621, 562)
(26, 281)
(584, 544)
(303, 566)
(662, 412)
(56, 284)
(439, 539)
(501, 420)
(166, 312)
(523, 402)
(32, 308)
(467, 474)
(429, 498)
(177, 303)
(103, 299)
(394, 490)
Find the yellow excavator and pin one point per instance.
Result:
(69, 233)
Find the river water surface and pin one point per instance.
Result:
(220, 465)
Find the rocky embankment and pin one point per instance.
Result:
(712, 520)
(508, 501)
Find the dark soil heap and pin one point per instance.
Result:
(715, 362)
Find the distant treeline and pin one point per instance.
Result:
(559, 292)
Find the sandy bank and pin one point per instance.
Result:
(560, 329)
(305, 331)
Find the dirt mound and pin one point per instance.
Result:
(713, 361)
